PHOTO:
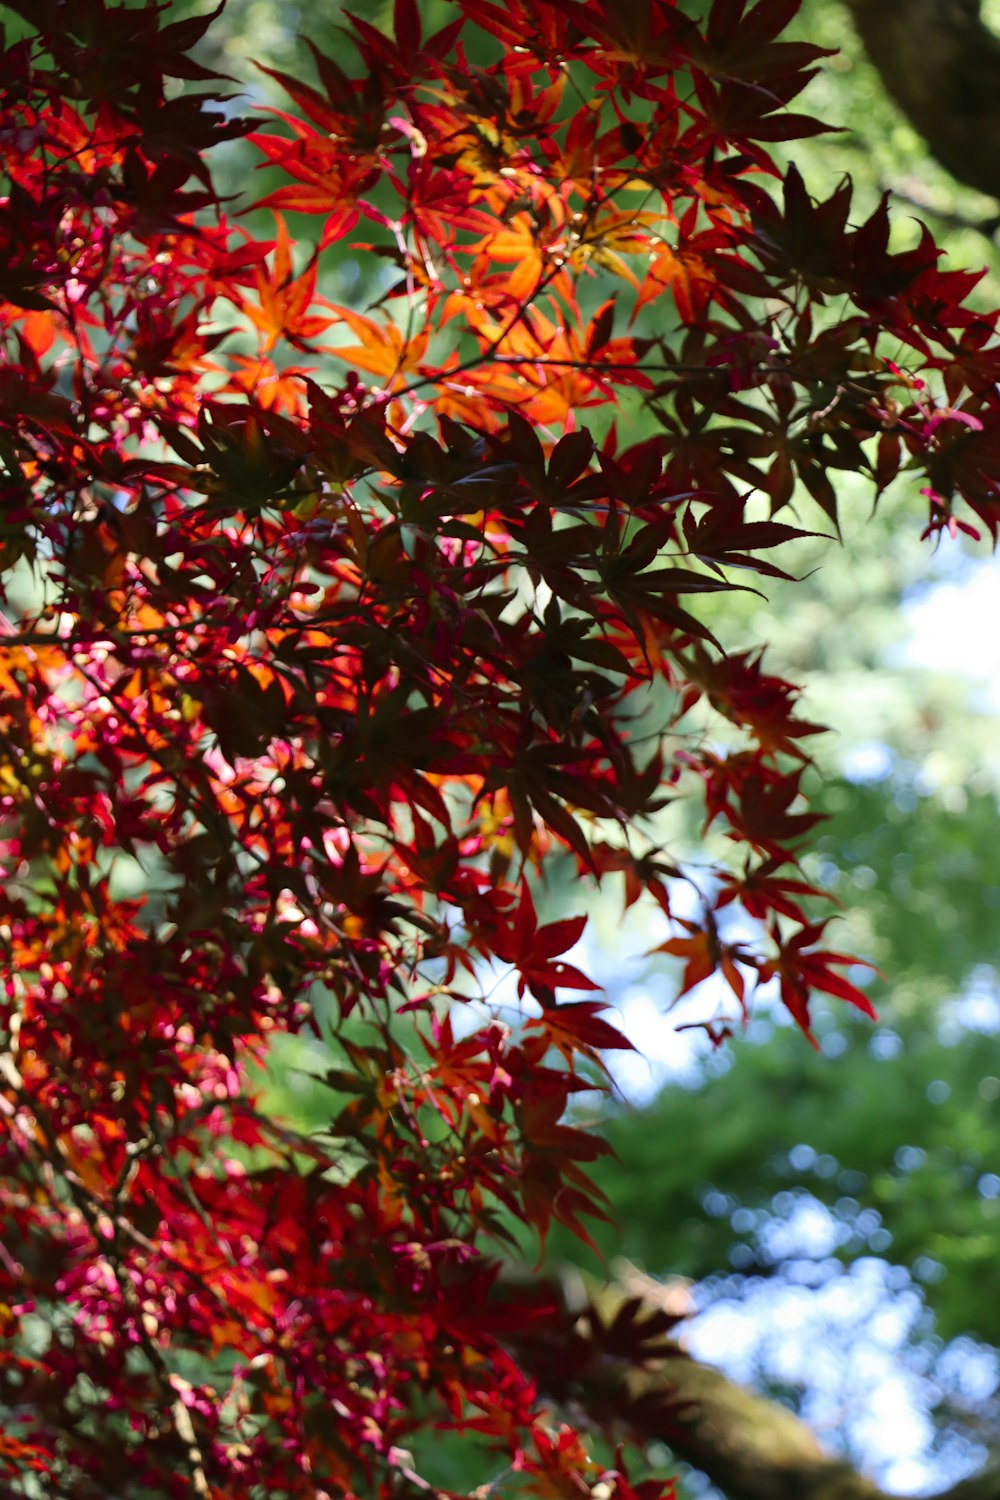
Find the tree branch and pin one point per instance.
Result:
(747, 1446)
(941, 64)
(751, 1448)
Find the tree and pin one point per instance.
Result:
(308, 686)
(952, 102)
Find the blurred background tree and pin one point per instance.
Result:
(837, 1216)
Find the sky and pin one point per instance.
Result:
(955, 628)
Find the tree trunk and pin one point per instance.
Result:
(941, 64)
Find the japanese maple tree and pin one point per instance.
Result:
(335, 623)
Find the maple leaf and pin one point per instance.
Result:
(704, 953)
(761, 891)
(802, 968)
(578, 1027)
(285, 300)
(738, 688)
(535, 950)
(385, 350)
(682, 271)
(325, 181)
(764, 817)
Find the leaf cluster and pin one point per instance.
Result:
(344, 665)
